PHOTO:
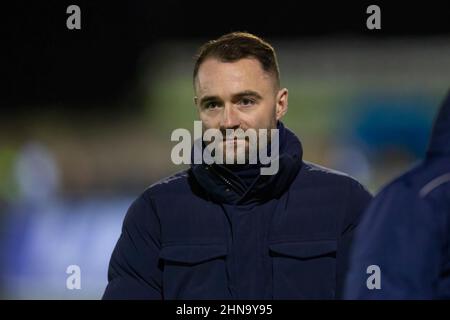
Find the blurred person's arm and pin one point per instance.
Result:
(404, 236)
(134, 270)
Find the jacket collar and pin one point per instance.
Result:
(224, 186)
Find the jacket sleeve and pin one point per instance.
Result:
(134, 270)
(402, 235)
(358, 200)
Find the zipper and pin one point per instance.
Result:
(234, 186)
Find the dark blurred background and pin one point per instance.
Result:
(86, 115)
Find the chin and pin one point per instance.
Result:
(239, 147)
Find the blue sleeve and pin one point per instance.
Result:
(358, 200)
(134, 270)
(402, 235)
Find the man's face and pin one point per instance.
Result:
(240, 94)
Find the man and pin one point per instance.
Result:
(405, 231)
(225, 231)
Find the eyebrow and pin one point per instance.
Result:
(236, 95)
(247, 93)
(208, 99)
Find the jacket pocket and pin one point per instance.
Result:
(194, 271)
(304, 269)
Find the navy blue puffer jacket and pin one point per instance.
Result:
(204, 234)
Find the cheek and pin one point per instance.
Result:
(208, 121)
(263, 116)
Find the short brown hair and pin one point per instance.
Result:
(238, 45)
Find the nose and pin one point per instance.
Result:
(230, 118)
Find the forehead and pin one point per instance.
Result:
(216, 77)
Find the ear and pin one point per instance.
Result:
(281, 103)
